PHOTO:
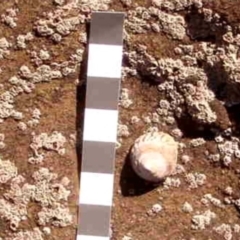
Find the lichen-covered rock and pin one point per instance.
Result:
(154, 156)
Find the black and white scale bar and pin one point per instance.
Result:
(100, 125)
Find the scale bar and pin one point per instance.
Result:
(100, 125)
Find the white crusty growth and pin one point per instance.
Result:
(7, 171)
(154, 156)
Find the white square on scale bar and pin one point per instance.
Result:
(88, 237)
(104, 61)
(96, 188)
(100, 125)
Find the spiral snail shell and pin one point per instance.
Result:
(154, 156)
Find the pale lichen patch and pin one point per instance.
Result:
(4, 48)
(10, 17)
(123, 130)
(171, 182)
(8, 170)
(57, 215)
(34, 234)
(225, 231)
(54, 142)
(45, 191)
(201, 221)
(195, 179)
(208, 198)
(187, 207)
(125, 101)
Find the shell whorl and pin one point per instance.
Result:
(154, 156)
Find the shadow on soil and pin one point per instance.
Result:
(191, 129)
(131, 184)
(235, 117)
(199, 29)
(81, 92)
(81, 95)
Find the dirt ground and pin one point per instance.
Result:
(61, 103)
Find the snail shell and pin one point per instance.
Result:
(154, 156)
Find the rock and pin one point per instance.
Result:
(154, 156)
